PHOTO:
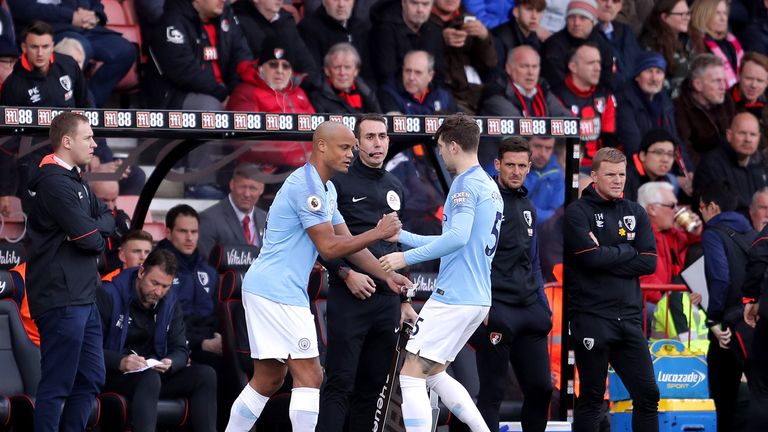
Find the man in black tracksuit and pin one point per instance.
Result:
(608, 246)
(362, 312)
(520, 319)
(756, 314)
(65, 229)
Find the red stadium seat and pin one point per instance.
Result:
(113, 9)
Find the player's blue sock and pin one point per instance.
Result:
(246, 410)
(457, 399)
(417, 411)
(305, 404)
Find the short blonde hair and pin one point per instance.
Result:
(608, 154)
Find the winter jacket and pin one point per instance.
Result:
(671, 246)
(638, 114)
(183, 56)
(723, 294)
(605, 277)
(64, 231)
(625, 50)
(326, 99)
(391, 39)
(756, 268)
(320, 32)
(394, 97)
(195, 287)
(546, 189)
(257, 29)
(253, 94)
(479, 54)
(699, 128)
(755, 36)
(63, 86)
(502, 98)
(516, 270)
(745, 181)
(492, 13)
(508, 36)
(129, 327)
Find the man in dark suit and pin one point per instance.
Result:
(235, 219)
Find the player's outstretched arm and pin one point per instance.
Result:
(447, 242)
(331, 245)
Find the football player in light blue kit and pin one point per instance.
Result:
(302, 221)
(462, 297)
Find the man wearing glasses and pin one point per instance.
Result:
(655, 162)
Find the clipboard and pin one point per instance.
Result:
(696, 280)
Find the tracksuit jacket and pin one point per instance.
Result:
(64, 231)
(605, 278)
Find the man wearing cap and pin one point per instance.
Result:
(581, 17)
(644, 103)
(270, 86)
(620, 37)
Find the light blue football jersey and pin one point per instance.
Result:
(281, 271)
(465, 275)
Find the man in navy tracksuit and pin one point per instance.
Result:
(520, 319)
(65, 229)
(142, 320)
(609, 245)
(362, 311)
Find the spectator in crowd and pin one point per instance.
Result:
(672, 245)
(726, 240)
(654, 163)
(187, 71)
(590, 100)
(492, 13)
(737, 161)
(343, 91)
(702, 112)
(709, 33)
(235, 220)
(361, 11)
(546, 180)
(9, 51)
(134, 249)
(521, 29)
(470, 52)
(580, 29)
(85, 23)
(271, 86)
(520, 92)
(645, 104)
(622, 40)
(265, 19)
(758, 209)
(40, 78)
(553, 19)
(66, 224)
(666, 32)
(143, 321)
(755, 35)
(108, 191)
(401, 26)
(333, 23)
(634, 13)
(416, 93)
(749, 93)
(194, 285)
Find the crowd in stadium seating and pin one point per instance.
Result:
(679, 86)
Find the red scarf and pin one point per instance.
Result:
(352, 97)
(731, 74)
(538, 103)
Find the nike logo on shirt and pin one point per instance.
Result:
(355, 199)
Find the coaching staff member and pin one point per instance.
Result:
(66, 224)
(609, 245)
(519, 320)
(362, 311)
